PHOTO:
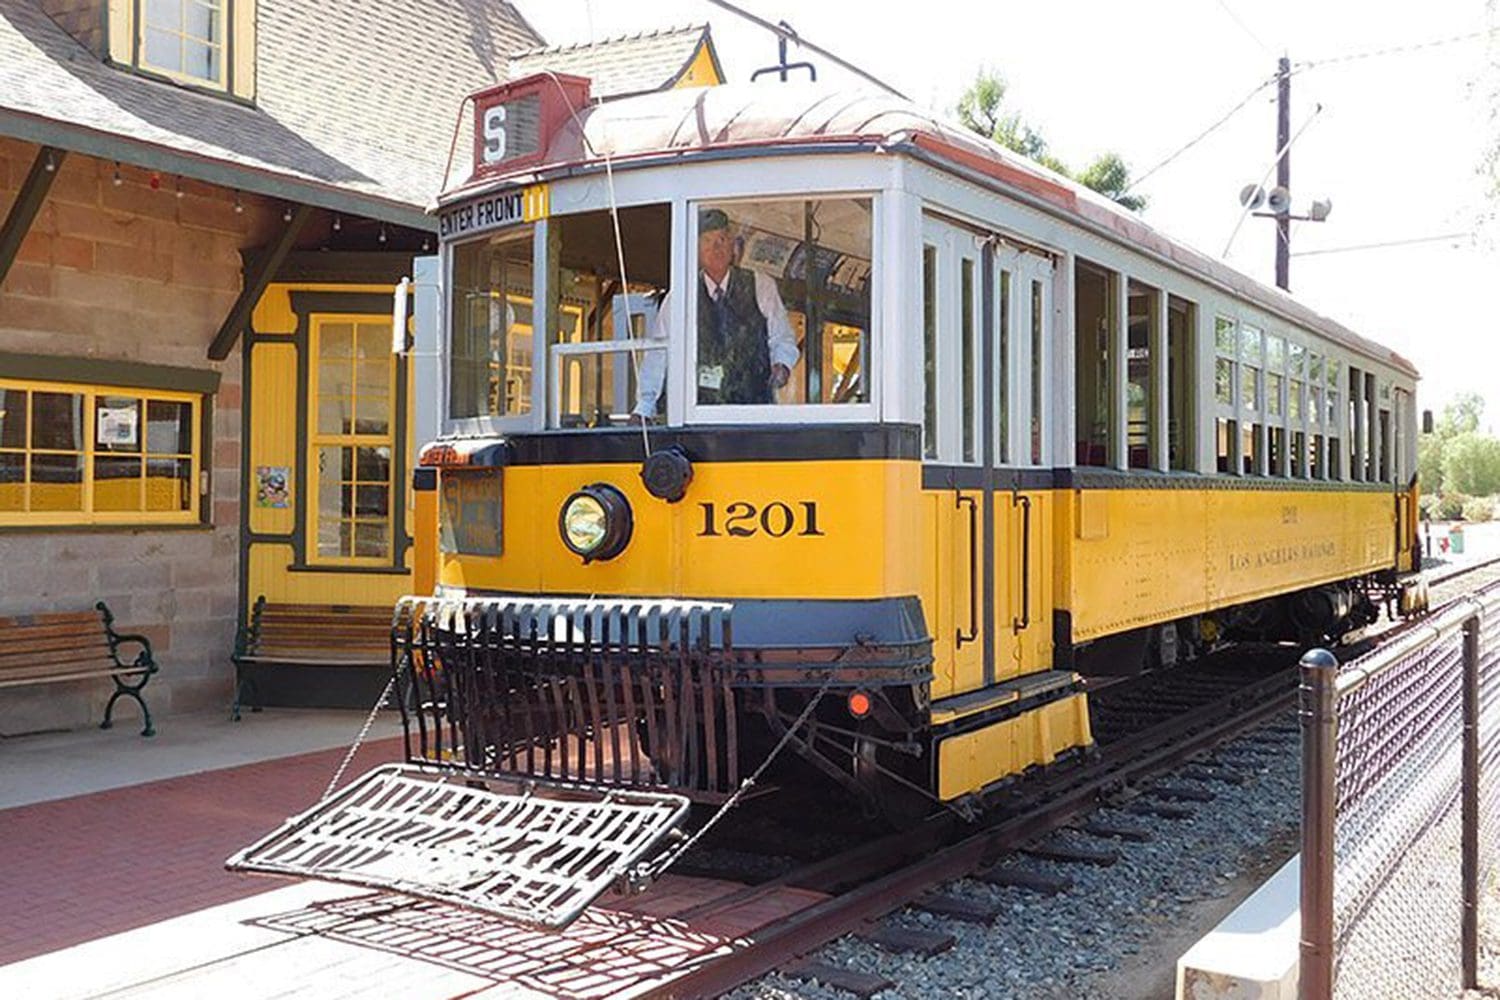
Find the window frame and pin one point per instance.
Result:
(317, 439)
(88, 516)
(686, 308)
(224, 82)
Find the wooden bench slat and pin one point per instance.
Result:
(60, 672)
(90, 618)
(12, 661)
(91, 642)
(293, 660)
(29, 633)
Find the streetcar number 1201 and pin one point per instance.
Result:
(777, 519)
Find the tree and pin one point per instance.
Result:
(1461, 415)
(1471, 464)
(982, 109)
(1430, 463)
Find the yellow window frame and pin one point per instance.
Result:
(88, 515)
(317, 440)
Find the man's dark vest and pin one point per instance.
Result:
(732, 334)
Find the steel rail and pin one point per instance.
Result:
(1153, 750)
(810, 928)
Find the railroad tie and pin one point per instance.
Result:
(908, 940)
(1074, 854)
(1219, 775)
(862, 984)
(1117, 831)
(1020, 878)
(961, 908)
(1161, 810)
(1180, 793)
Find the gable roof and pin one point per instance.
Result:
(355, 106)
(630, 64)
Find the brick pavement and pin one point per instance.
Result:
(76, 869)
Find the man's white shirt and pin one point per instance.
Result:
(780, 338)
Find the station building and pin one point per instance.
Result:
(205, 206)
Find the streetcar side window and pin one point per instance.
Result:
(1140, 431)
(607, 355)
(1094, 323)
(490, 354)
(1182, 320)
(781, 302)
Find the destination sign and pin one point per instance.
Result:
(494, 211)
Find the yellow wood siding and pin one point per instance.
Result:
(272, 430)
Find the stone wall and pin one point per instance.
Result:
(132, 271)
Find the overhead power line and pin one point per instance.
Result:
(1389, 243)
(1205, 133)
(784, 31)
(1245, 27)
(1394, 50)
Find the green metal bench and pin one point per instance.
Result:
(76, 645)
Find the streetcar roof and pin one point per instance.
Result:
(760, 119)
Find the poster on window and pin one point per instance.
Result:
(273, 486)
(120, 426)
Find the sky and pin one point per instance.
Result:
(1398, 145)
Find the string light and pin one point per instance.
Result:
(381, 237)
(239, 206)
(179, 191)
(118, 180)
(50, 165)
(286, 214)
(338, 222)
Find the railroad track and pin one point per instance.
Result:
(873, 879)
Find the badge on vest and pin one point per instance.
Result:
(710, 377)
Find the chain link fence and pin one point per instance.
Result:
(1401, 789)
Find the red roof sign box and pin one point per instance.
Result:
(514, 122)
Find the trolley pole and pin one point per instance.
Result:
(1284, 171)
(1470, 806)
(1318, 712)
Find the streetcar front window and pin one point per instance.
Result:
(606, 299)
(781, 302)
(490, 368)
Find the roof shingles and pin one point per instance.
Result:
(350, 94)
(633, 64)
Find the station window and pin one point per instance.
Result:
(491, 309)
(782, 302)
(185, 38)
(352, 439)
(607, 356)
(73, 454)
(1094, 320)
(1138, 402)
(1182, 319)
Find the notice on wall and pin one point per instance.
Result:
(273, 486)
(119, 426)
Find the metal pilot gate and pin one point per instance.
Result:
(327, 416)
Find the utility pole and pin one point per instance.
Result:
(1284, 171)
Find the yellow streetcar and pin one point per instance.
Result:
(779, 419)
(791, 436)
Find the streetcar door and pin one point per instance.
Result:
(958, 575)
(1021, 287)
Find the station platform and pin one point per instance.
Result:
(112, 883)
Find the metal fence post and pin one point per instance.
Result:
(1470, 808)
(1319, 716)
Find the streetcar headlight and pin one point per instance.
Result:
(595, 522)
